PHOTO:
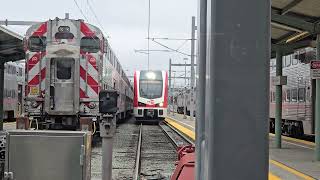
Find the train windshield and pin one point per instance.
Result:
(150, 84)
(90, 44)
(37, 43)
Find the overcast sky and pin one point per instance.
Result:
(125, 21)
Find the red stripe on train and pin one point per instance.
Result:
(90, 80)
(86, 30)
(36, 80)
(135, 96)
(41, 30)
(165, 102)
(35, 59)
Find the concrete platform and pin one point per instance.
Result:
(295, 161)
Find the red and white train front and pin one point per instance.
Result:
(150, 94)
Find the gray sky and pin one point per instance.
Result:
(125, 21)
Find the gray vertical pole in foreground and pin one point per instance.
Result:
(317, 108)
(170, 89)
(278, 110)
(201, 88)
(1, 93)
(193, 32)
(237, 89)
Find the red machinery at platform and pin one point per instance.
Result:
(185, 166)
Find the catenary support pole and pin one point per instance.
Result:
(185, 92)
(170, 89)
(237, 101)
(278, 110)
(193, 32)
(173, 92)
(201, 89)
(317, 107)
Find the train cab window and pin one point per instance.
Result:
(37, 43)
(288, 96)
(64, 68)
(90, 44)
(294, 95)
(302, 94)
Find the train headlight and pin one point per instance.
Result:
(92, 105)
(161, 104)
(151, 75)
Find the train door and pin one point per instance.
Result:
(62, 84)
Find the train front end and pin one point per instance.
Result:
(150, 95)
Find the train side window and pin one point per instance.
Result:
(294, 95)
(37, 43)
(302, 94)
(287, 60)
(288, 96)
(90, 44)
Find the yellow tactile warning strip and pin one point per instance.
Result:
(295, 140)
(181, 128)
(273, 177)
(291, 170)
(191, 134)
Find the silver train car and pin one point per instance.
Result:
(296, 95)
(68, 62)
(184, 98)
(13, 92)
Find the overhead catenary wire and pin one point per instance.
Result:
(96, 17)
(85, 17)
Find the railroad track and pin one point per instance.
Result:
(157, 151)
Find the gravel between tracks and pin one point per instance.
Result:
(124, 153)
(158, 155)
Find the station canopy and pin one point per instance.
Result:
(294, 24)
(11, 46)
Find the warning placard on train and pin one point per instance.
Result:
(315, 69)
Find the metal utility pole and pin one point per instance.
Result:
(174, 75)
(193, 32)
(200, 123)
(170, 90)
(249, 64)
(278, 110)
(317, 107)
(185, 91)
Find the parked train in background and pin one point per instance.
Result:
(184, 98)
(150, 95)
(296, 95)
(13, 92)
(68, 62)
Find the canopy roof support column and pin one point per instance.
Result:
(237, 86)
(317, 107)
(278, 110)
